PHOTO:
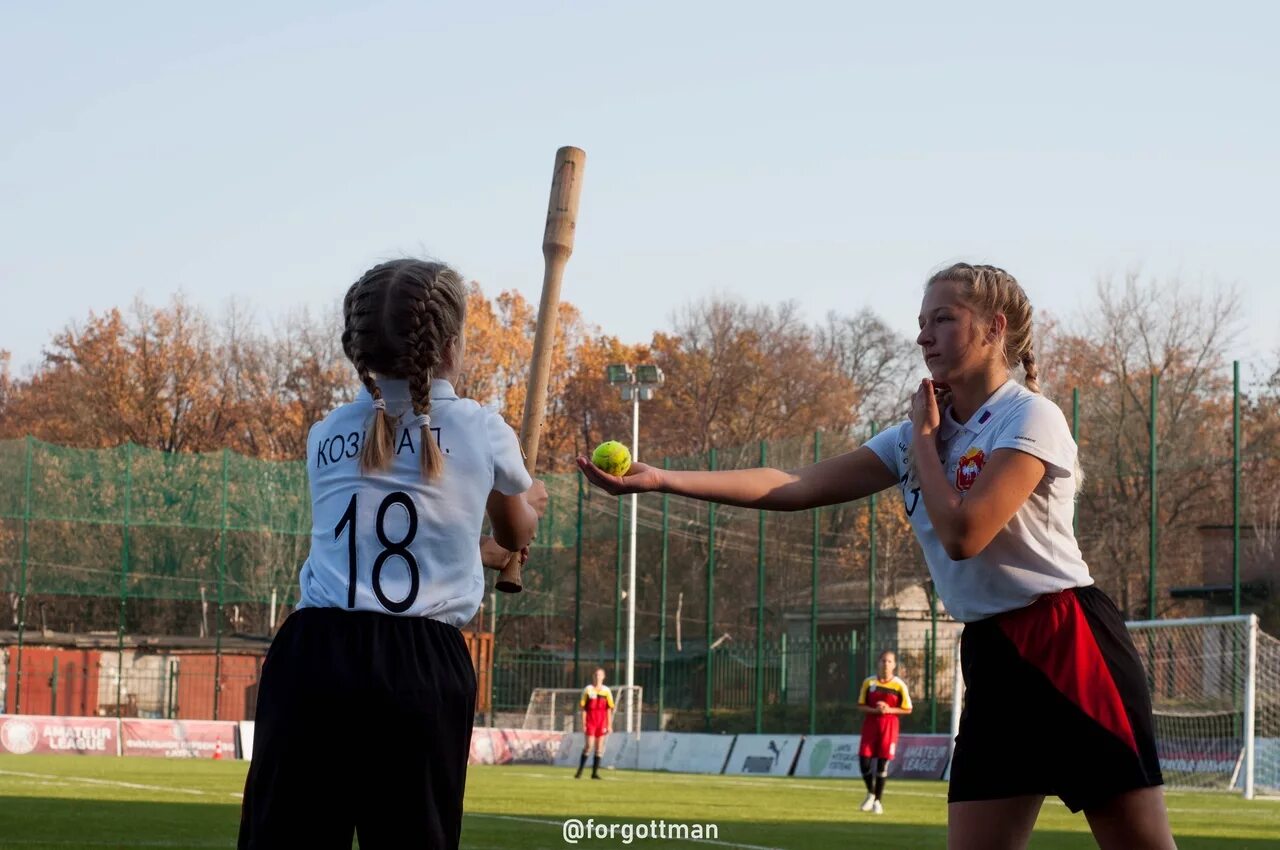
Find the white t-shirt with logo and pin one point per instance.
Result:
(1036, 553)
(411, 545)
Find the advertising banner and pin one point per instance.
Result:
(651, 749)
(695, 753)
(921, 757)
(84, 736)
(178, 738)
(829, 755)
(621, 751)
(917, 757)
(763, 755)
(514, 746)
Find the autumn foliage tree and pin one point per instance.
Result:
(1138, 330)
(173, 379)
(180, 380)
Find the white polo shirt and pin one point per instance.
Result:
(411, 546)
(1036, 553)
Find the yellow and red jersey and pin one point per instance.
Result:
(892, 691)
(880, 731)
(597, 703)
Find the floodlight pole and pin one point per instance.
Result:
(631, 575)
(635, 384)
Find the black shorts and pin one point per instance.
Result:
(1055, 703)
(363, 725)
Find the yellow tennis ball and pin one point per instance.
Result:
(612, 457)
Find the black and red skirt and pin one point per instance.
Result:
(1056, 703)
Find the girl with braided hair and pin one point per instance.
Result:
(401, 481)
(1056, 700)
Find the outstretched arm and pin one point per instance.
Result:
(845, 478)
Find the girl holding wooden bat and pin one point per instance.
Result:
(367, 695)
(988, 475)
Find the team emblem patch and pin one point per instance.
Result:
(968, 468)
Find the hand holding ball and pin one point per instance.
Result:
(611, 468)
(612, 457)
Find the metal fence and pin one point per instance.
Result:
(176, 568)
(778, 696)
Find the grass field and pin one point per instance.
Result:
(60, 802)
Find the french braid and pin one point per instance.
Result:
(399, 319)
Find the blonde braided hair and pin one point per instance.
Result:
(399, 320)
(988, 290)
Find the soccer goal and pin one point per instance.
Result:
(558, 709)
(1215, 692)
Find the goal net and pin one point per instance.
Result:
(1215, 693)
(558, 709)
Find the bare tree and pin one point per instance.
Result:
(1136, 330)
(881, 363)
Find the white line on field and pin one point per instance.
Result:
(560, 823)
(132, 842)
(714, 780)
(711, 779)
(114, 783)
(1184, 811)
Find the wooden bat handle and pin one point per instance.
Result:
(557, 246)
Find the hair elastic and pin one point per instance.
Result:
(379, 404)
(422, 420)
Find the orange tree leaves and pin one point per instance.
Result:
(172, 378)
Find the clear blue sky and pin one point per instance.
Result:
(829, 152)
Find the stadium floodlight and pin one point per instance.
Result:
(647, 373)
(618, 373)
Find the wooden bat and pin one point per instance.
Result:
(557, 245)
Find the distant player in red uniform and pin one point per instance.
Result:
(882, 699)
(597, 721)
